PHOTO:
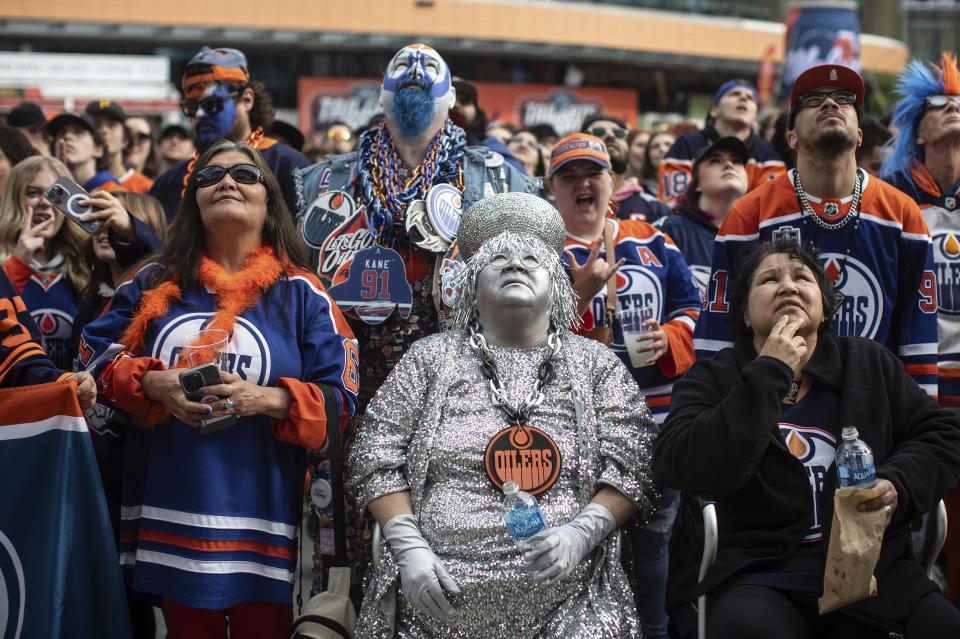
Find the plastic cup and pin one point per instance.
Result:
(631, 323)
(204, 347)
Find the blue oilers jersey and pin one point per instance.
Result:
(941, 212)
(52, 301)
(882, 264)
(656, 277)
(694, 236)
(211, 520)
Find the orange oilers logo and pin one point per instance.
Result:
(525, 455)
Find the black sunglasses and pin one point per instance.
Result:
(212, 105)
(940, 101)
(601, 132)
(241, 174)
(810, 100)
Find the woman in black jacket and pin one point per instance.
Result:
(756, 428)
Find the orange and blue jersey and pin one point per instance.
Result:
(676, 167)
(940, 211)
(23, 361)
(882, 265)
(654, 276)
(52, 301)
(211, 520)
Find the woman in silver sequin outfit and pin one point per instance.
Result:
(448, 566)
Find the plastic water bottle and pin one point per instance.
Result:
(855, 461)
(521, 514)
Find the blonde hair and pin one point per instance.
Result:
(69, 241)
(145, 208)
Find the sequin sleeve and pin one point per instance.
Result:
(626, 432)
(380, 453)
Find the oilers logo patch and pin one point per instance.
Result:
(862, 308)
(247, 355)
(946, 259)
(326, 214)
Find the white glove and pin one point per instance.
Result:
(560, 549)
(421, 573)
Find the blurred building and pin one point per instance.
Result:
(671, 54)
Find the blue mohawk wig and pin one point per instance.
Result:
(916, 84)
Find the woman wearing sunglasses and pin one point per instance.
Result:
(217, 511)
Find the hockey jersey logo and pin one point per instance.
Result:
(861, 310)
(815, 448)
(56, 328)
(946, 259)
(248, 354)
(637, 288)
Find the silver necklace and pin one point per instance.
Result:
(518, 415)
(854, 211)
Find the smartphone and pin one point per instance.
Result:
(65, 195)
(192, 380)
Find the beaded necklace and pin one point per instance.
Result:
(385, 196)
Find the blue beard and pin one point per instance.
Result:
(412, 110)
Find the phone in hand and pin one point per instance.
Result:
(65, 195)
(192, 380)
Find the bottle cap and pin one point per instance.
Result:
(511, 488)
(849, 433)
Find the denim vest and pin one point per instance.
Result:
(338, 172)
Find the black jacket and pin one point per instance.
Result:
(721, 440)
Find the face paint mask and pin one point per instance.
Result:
(209, 128)
(416, 89)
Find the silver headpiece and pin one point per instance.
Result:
(521, 213)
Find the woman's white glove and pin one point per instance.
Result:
(421, 573)
(560, 549)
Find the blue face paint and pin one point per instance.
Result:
(209, 128)
(418, 64)
(412, 110)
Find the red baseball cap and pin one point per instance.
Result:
(827, 75)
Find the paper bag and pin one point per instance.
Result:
(854, 549)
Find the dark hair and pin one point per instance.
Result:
(184, 247)
(541, 169)
(874, 134)
(780, 144)
(650, 172)
(740, 291)
(542, 131)
(15, 145)
(596, 117)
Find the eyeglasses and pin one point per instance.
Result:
(241, 174)
(211, 105)
(940, 101)
(601, 132)
(339, 134)
(528, 260)
(810, 100)
(522, 140)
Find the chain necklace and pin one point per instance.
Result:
(854, 211)
(519, 415)
(384, 195)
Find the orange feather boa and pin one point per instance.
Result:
(236, 292)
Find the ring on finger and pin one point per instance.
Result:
(229, 404)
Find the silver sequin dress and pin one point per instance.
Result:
(426, 431)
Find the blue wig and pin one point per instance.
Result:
(916, 84)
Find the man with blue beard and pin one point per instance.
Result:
(224, 101)
(378, 221)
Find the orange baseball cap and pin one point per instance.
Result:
(579, 146)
